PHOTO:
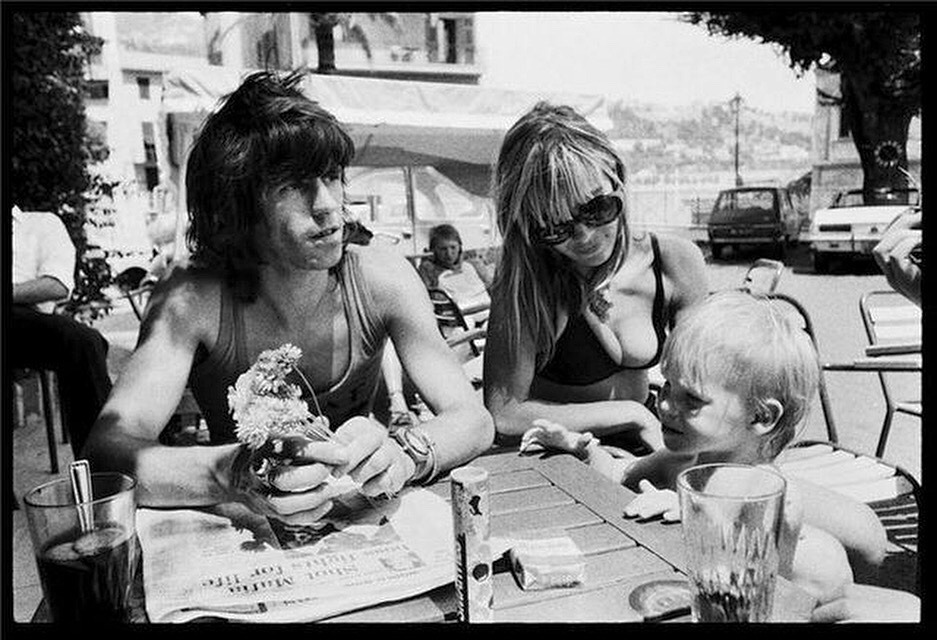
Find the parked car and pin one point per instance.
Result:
(850, 226)
(401, 204)
(753, 215)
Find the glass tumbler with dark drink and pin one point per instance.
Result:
(86, 551)
(732, 517)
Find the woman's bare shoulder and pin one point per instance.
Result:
(684, 265)
(680, 253)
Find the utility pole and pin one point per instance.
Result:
(736, 103)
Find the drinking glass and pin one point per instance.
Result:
(86, 551)
(731, 518)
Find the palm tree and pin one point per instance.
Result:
(323, 24)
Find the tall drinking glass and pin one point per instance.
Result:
(87, 552)
(732, 517)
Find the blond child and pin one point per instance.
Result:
(739, 378)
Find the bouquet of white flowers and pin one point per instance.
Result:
(268, 409)
(265, 406)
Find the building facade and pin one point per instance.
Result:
(124, 100)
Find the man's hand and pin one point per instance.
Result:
(374, 461)
(652, 502)
(295, 494)
(893, 255)
(553, 436)
(302, 491)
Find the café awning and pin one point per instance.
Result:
(392, 122)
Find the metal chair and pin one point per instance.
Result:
(893, 326)
(453, 325)
(49, 404)
(890, 491)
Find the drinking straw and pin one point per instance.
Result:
(80, 474)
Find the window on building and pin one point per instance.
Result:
(97, 132)
(843, 125)
(152, 177)
(143, 87)
(268, 56)
(149, 143)
(97, 89)
(451, 38)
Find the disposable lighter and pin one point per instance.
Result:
(471, 522)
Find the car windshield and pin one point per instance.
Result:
(853, 198)
(739, 205)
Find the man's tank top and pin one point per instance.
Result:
(352, 395)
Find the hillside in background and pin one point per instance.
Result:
(174, 33)
(701, 138)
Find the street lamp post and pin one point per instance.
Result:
(736, 103)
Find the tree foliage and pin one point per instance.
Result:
(877, 55)
(51, 151)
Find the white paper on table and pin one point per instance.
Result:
(197, 563)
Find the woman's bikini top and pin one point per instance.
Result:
(579, 358)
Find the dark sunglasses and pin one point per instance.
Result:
(597, 212)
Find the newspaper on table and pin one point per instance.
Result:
(227, 563)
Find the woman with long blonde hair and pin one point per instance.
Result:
(581, 305)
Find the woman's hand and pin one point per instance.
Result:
(652, 502)
(554, 436)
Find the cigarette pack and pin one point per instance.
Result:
(547, 561)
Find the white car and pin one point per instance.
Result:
(850, 227)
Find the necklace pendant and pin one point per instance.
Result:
(599, 304)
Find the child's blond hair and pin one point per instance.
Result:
(747, 344)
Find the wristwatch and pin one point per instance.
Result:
(417, 444)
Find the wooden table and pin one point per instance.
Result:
(531, 492)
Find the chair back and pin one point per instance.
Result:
(889, 490)
(893, 325)
(452, 324)
(763, 276)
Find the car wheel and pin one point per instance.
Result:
(821, 262)
(716, 250)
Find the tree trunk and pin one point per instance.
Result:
(325, 48)
(879, 130)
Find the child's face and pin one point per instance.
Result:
(447, 252)
(704, 419)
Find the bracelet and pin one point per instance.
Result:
(417, 444)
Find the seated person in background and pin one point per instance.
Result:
(581, 304)
(899, 256)
(446, 270)
(739, 380)
(265, 187)
(43, 273)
